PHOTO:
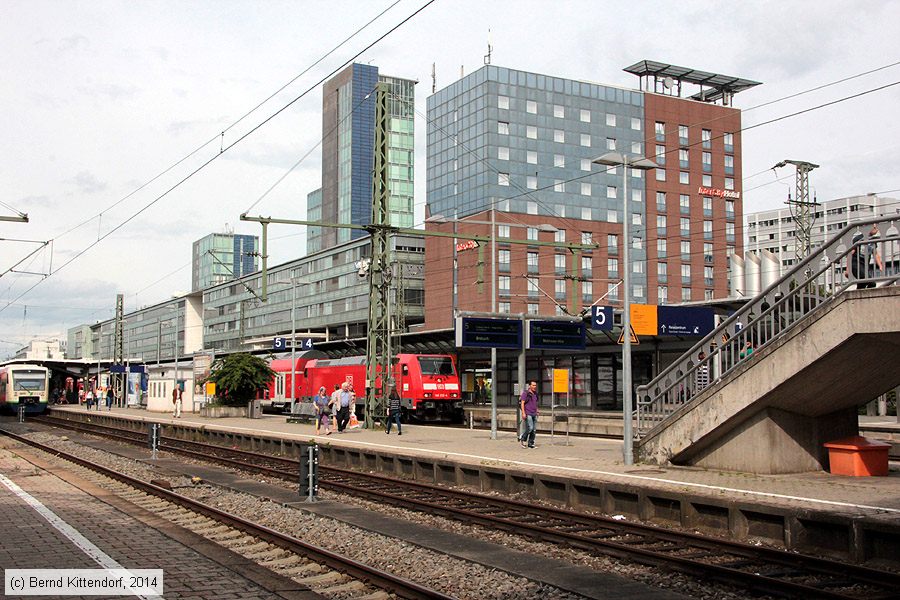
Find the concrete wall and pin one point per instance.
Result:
(772, 414)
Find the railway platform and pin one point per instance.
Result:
(52, 519)
(853, 517)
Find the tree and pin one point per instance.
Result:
(239, 376)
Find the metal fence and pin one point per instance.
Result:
(863, 254)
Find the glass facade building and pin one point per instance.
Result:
(221, 257)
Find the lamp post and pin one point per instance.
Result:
(643, 164)
(175, 345)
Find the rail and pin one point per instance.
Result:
(823, 275)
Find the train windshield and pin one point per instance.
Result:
(31, 381)
(436, 365)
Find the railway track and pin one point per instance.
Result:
(318, 569)
(747, 566)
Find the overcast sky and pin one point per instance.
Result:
(99, 98)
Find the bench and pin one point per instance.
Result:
(304, 412)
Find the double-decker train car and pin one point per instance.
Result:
(428, 384)
(24, 385)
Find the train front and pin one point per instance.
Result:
(29, 389)
(433, 386)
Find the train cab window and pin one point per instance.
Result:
(405, 370)
(436, 365)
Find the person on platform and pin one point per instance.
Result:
(89, 399)
(176, 401)
(393, 410)
(528, 404)
(747, 350)
(323, 411)
(865, 261)
(702, 372)
(110, 396)
(345, 398)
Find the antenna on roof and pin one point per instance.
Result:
(433, 79)
(487, 57)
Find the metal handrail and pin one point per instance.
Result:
(811, 284)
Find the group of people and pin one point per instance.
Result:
(94, 398)
(337, 410)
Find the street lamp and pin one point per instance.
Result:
(614, 159)
(544, 227)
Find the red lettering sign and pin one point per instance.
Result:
(708, 191)
(466, 245)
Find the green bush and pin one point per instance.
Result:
(238, 378)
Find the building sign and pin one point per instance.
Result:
(708, 191)
(685, 320)
(643, 319)
(556, 335)
(466, 245)
(488, 333)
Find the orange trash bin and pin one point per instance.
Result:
(858, 457)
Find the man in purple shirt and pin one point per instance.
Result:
(528, 404)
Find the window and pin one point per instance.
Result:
(558, 111)
(684, 202)
(728, 138)
(503, 284)
(559, 263)
(531, 132)
(612, 266)
(660, 132)
(503, 259)
(637, 291)
(636, 219)
(661, 248)
(531, 157)
(586, 238)
(729, 231)
(586, 139)
(683, 158)
(660, 174)
(662, 294)
(707, 229)
(585, 189)
(684, 177)
(533, 262)
(612, 215)
(531, 107)
(637, 243)
(686, 294)
(586, 214)
(503, 128)
(661, 201)
(661, 224)
(635, 123)
(612, 243)
(685, 250)
(637, 266)
(686, 272)
(612, 292)
(610, 120)
(729, 164)
(559, 136)
(587, 290)
(707, 159)
(708, 275)
(559, 160)
(584, 116)
(585, 164)
(532, 233)
(503, 178)
(707, 252)
(503, 102)
(611, 191)
(559, 286)
(683, 135)
(503, 153)
(559, 236)
(729, 208)
(707, 180)
(587, 264)
(610, 143)
(662, 270)
(707, 206)
(503, 231)
(635, 147)
(729, 183)
(504, 307)
(559, 185)
(532, 207)
(531, 183)
(532, 306)
(637, 196)
(706, 137)
(660, 157)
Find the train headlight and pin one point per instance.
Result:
(427, 395)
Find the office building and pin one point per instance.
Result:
(776, 230)
(523, 144)
(221, 257)
(348, 140)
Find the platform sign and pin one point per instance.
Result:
(488, 333)
(279, 343)
(556, 335)
(602, 318)
(116, 368)
(306, 344)
(643, 319)
(685, 320)
(560, 381)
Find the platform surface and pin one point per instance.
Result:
(584, 458)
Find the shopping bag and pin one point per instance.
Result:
(354, 422)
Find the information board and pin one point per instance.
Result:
(643, 319)
(685, 320)
(476, 332)
(556, 335)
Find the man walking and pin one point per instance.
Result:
(528, 404)
(176, 401)
(344, 399)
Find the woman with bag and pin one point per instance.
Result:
(323, 412)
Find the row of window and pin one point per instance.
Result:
(612, 296)
(559, 135)
(683, 131)
(559, 112)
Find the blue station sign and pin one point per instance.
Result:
(602, 318)
(556, 335)
(474, 332)
(685, 320)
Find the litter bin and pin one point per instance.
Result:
(858, 457)
(254, 409)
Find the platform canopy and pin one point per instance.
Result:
(720, 86)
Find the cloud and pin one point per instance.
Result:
(73, 43)
(108, 90)
(87, 183)
(35, 201)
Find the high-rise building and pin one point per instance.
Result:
(220, 257)
(348, 139)
(776, 230)
(524, 144)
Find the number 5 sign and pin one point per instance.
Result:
(602, 318)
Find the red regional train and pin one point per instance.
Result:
(428, 383)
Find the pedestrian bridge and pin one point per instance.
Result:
(822, 349)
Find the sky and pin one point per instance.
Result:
(106, 106)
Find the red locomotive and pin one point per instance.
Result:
(428, 384)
